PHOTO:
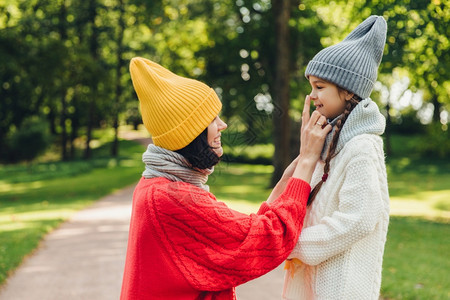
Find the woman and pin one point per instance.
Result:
(183, 243)
(339, 253)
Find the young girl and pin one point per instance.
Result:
(183, 243)
(340, 250)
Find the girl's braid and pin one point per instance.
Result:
(332, 148)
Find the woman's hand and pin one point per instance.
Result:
(313, 133)
(312, 138)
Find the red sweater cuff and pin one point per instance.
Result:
(294, 187)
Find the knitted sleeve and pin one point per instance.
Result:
(359, 210)
(216, 248)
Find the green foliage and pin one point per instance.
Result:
(408, 124)
(30, 140)
(241, 60)
(246, 145)
(67, 60)
(132, 115)
(413, 148)
(437, 142)
(250, 154)
(417, 41)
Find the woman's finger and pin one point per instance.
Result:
(327, 128)
(315, 116)
(305, 113)
(322, 121)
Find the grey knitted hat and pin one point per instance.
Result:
(353, 63)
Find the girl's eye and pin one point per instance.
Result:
(319, 87)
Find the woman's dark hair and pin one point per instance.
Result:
(199, 153)
(332, 148)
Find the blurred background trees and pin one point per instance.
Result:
(66, 62)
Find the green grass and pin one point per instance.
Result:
(239, 184)
(418, 185)
(34, 200)
(416, 263)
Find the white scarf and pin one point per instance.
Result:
(364, 118)
(160, 162)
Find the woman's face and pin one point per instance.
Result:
(328, 99)
(214, 133)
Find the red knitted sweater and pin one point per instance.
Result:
(184, 244)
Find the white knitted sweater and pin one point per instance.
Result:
(342, 242)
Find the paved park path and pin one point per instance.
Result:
(84, 259)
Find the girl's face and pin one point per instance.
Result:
(214, 133)
(328, 99)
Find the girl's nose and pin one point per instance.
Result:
(313, 96)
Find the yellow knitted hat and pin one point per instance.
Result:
(175, 109)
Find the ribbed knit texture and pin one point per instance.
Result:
(364, 118)
(184, 244)
(175, 109)
(342, 243)
(160, 162)
(353, 63)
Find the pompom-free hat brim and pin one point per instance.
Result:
(353, 63)
(175, 109)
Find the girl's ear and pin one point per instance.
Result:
(348, 95)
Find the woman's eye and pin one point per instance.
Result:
(320, 87)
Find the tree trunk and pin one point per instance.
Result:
(63, 128)
(93, 46)
(437, 109)
(75, 124)
(119, 67)
(63, 35)
(387, 132)
(281, 92)
(87, 149)
(52, 119)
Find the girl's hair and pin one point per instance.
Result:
(199, 153)
(332, 148)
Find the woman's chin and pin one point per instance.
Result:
(218, 151)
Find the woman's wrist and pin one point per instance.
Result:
(304, 169)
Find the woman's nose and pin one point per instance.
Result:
(222, 125)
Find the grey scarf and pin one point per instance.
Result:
(364, 118)
(160, 162)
